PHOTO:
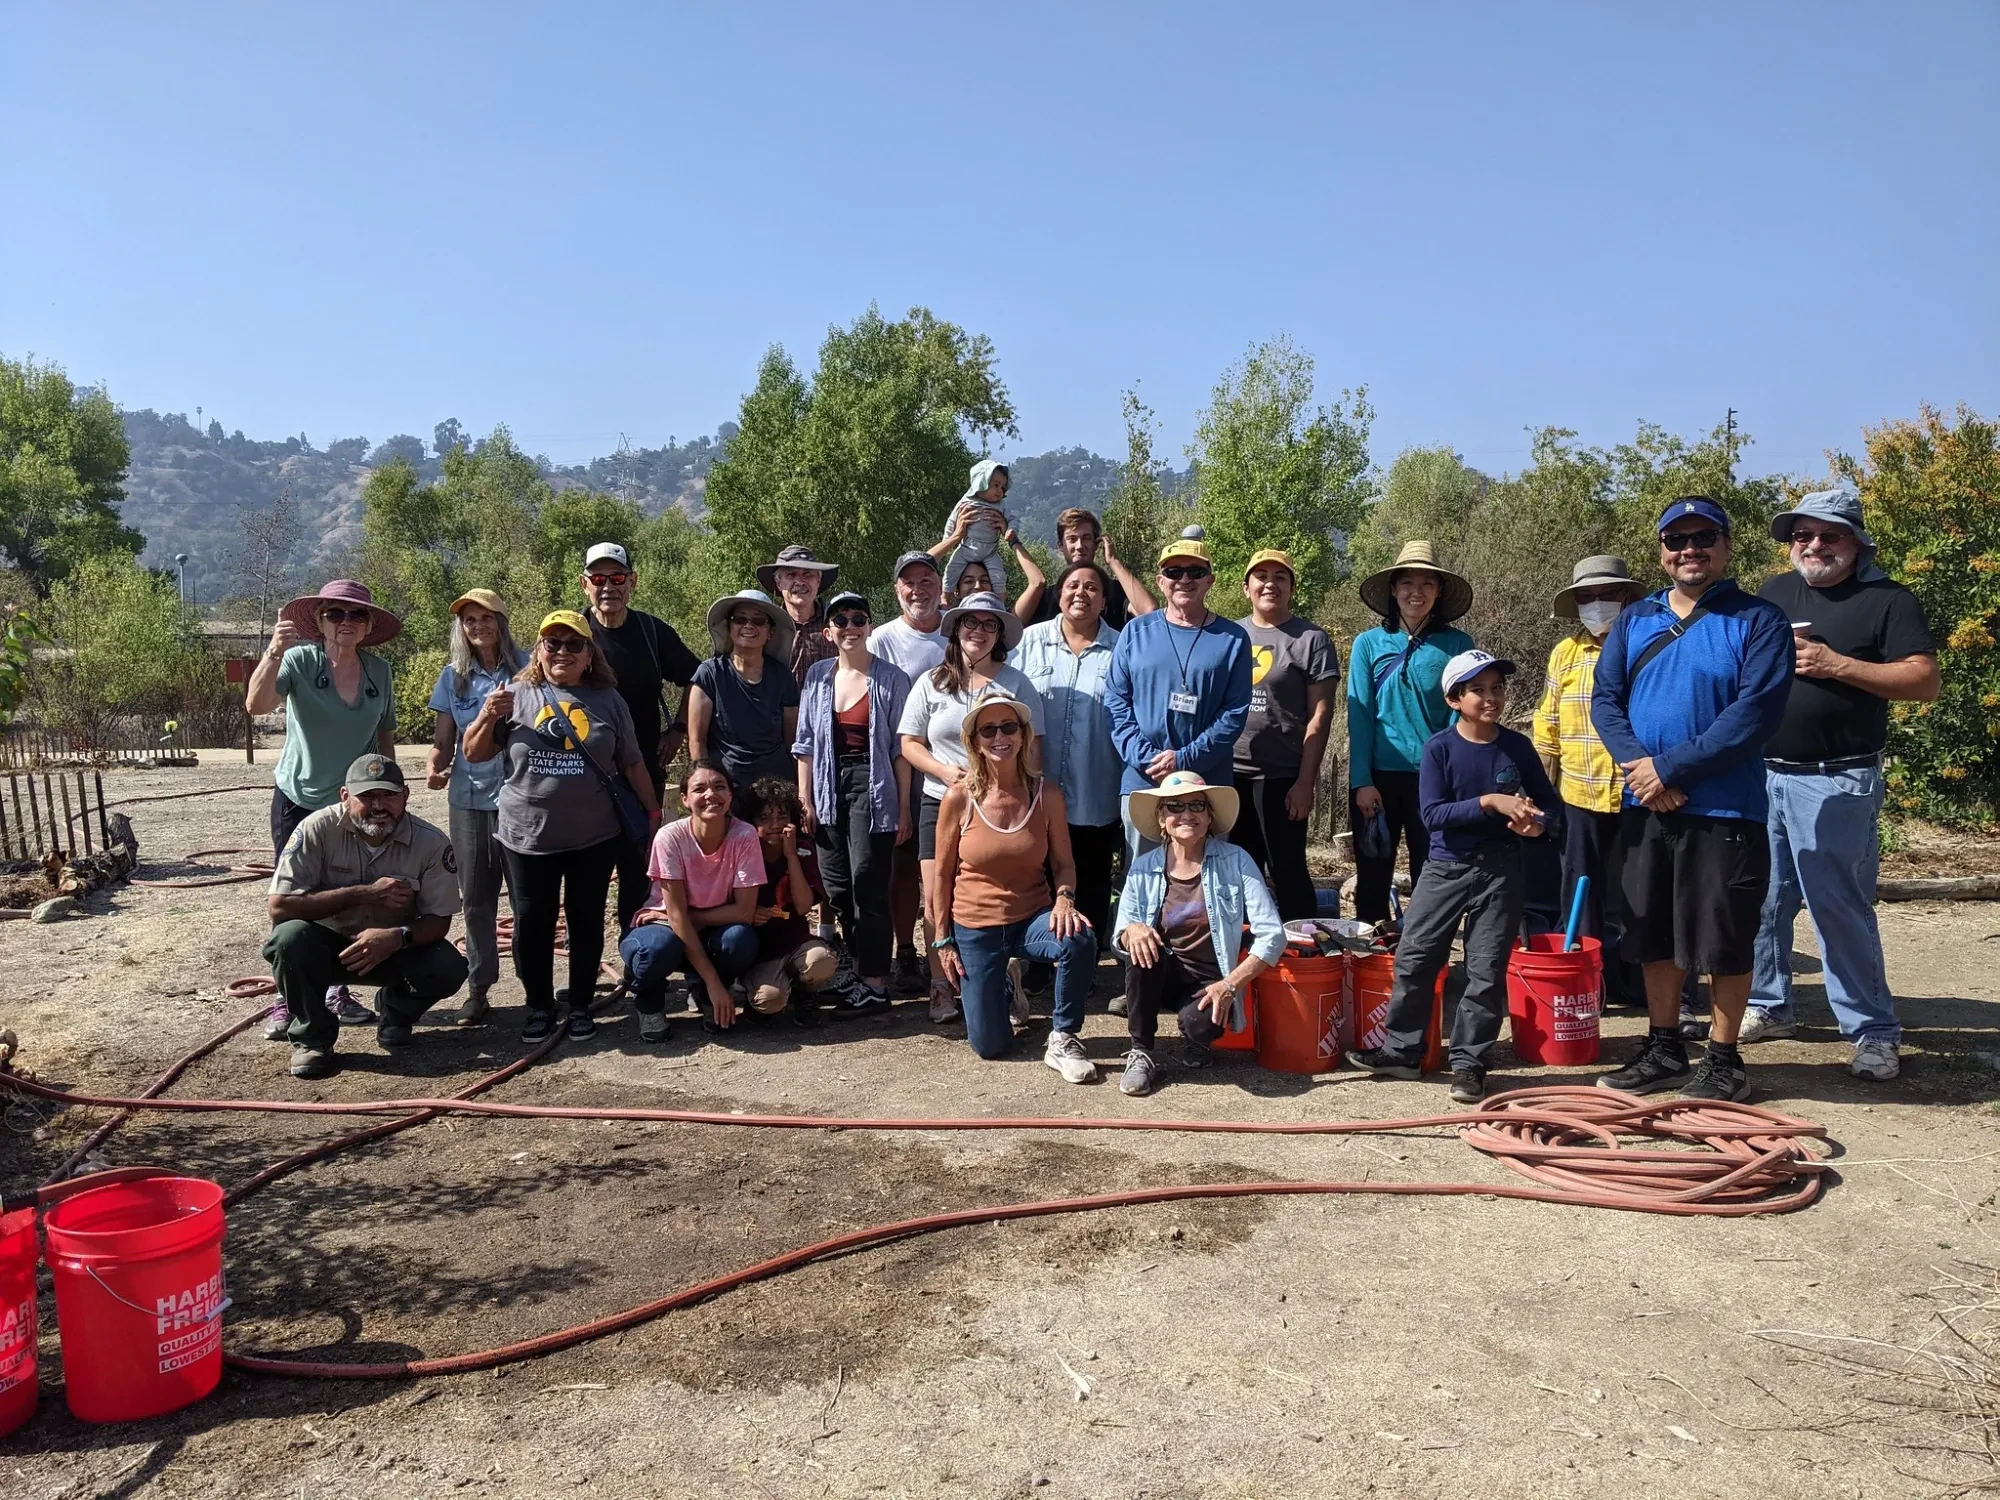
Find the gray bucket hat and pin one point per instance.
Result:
(795, 556)
(1841, 505)
(1600, 572)
(780, 643)
(985, 604)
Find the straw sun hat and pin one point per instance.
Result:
(782, 628)
(1454, 593)
(1223, 803)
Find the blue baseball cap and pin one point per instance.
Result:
(1694, 505)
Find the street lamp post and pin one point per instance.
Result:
(182, 559)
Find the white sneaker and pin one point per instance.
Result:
(1759, 1027)
(1875, 1060)
(1065, 1054)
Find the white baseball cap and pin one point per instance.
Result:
(607, 552)
(1469, 664)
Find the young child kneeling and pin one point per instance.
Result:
(1482, 790)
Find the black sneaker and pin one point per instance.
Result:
(1659, 1065)
(580, 1023)
(1385, 1064)
(1468, 1085)
(392, 1034)
(540, 1024)
(654, 1026)
(1717, 1080)
(1693, 1024)
(805, 1006)
(1196, 1054)
(911, 974)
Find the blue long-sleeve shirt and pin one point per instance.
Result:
(1456, 772)
(1155, 660)
(1704, 706)
(1395, 705)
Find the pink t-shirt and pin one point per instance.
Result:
(711, 878)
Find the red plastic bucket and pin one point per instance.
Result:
(1553, 1000)
(1298, 1014)
(17, 1319)
(139, 1296)
(1371, 981)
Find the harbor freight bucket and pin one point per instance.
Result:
(1298, 1014)
(17, 1319)
(1554, 999)
(1371, 980)
(139, 1296)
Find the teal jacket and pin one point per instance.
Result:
(1389, 725)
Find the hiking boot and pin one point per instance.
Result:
(580, 1024)
(473, 1011)
(1659, 1065)
(1141, 1075)
(278, 1023)
(540, 1024)
(1385, 1064)
(393, 1034)
(1717, 1080)
(346, 1009)
(1065, 1054)
(313, 1062)
(1875, 1060)
(654, 1026)
(1758, 1026)
(1468, 1085)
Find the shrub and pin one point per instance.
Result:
(416, 675)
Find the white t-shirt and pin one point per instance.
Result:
(938, 718)
(903, 646)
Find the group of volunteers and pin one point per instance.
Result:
(995, 776)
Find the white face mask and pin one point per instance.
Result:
(1597, 618)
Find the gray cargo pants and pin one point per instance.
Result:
(1486, 893)
(481, 871)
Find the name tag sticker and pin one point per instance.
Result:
(1182, 703)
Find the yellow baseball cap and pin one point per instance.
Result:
(563, 619)
(1192, 548)
(484, 598)
(1272, 555)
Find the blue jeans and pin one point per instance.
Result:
(654, 951)
(985, 950)
(1824, 853)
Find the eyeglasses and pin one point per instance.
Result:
(999, 727)
(737, 622)
(616, 580)
(982, 623)
(565, 645)
(1176, 809)
(1804, 538)
(1176, 572)
(846, 618)
(341, 616)
(1690, 541)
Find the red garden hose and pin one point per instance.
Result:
(259, 868)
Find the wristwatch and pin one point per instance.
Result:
(1063, 891)
(406, 935)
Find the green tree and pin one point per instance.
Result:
(864, 460)
(1429, 495)
(1141, 517)
(1273, 470)
(63, 458)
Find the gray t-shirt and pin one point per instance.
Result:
(550, 800)
(937, 718)
(1285, 660)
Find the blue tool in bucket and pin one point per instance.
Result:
(1575, 913)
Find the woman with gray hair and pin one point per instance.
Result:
(483, 657)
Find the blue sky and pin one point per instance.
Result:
(582, 220)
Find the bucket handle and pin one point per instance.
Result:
(153, 1312)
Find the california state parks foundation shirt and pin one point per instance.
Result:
(326, 854)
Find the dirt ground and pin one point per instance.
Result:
(1259, 1347)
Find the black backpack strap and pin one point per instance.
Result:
(1660, 642)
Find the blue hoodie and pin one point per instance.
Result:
(1705, 705)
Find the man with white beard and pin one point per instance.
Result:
(363, 891)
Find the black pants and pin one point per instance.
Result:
(1592, 846)
(854, 862)
(1168, 982)
(305, 960)
(1277, 841)
(286, 815)
(576, 883)
(1372, 877)
(634, 884)
(1096, 850)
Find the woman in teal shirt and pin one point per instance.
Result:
(1394, 705)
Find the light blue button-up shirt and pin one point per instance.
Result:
(1077, 749)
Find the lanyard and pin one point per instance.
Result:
(1181, 664)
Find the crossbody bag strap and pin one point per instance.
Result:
(1387, 668)
(1665, 639)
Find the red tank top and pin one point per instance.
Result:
(850, 728)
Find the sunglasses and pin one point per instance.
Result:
(341, 616)
(737, 622)
(1804, 538)
(982, 623)
(564, 645)
(1176, 573)
(1690, 541)
(1174, 809)
(999, 727)
(847, 618)
(616, 580)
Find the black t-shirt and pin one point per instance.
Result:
(1116, 610)
(747, 732)
(646, 653)
(779, 937)
(1876, 621)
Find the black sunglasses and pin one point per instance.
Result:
(565, 645)
(1178, 572)
(341, 616)
(736, 620)
(997, 727)
(1690, 541)
(846, 618)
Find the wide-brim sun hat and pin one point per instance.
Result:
(303, 611)
(1454, 592)
(984, 701)
(1223, 803)
(485, 598)
(1840, 505)
(985, 604)
(795, 556)
(1600, 572)
(782, 629)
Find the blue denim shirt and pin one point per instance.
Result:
(1077, 751)
(472, 786)
(1235, 893)
(888, 687)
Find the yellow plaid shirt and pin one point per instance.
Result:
(1588, 777)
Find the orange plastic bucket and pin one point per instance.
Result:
(139, 1296)
(1298, 1010)
(17, 1319)
(1554, 999)
(1371, 981)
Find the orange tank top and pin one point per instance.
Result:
(1002, 875)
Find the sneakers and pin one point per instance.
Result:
(654, 1026)
(804, 1009)
(1468, 1085)
(312, 1062)
(911, 973)
(1065, 1054)
(1875, 1060)
(540, 1024)
(346, 1009)
(1694, 1026)
(1141, 1075)
(1196, 1054)
(277, 1023)
(473, 1011)
(944, 1002)
(1759, 1027)
(855, 998)
(1661, 1064)
(580, 1024)
(1116, 1004)
(393, 1034)
(1717, 1080)
(1385, 1064)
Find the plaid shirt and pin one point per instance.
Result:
(810, 646)
(1588, 777)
